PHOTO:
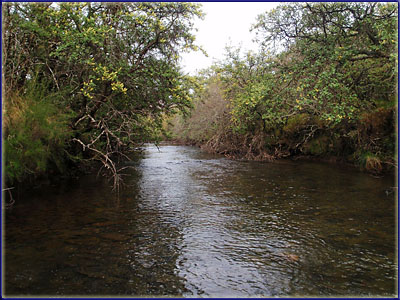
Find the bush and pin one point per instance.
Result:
(35, 134)
(369, 162)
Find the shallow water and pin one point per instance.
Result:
(194, 224)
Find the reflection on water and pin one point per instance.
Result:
(194, 224)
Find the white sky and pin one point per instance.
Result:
(225, 23)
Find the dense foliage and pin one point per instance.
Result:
(323, 83)
(87, 81)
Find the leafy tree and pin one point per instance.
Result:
(116, 67)
(322, 83)
(340, 58)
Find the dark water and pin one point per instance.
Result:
(194, 224)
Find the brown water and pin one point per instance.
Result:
(194, 224)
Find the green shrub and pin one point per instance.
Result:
(368, 161)
(317, 146)
(35, 135)
(296, 123)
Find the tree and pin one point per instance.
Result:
(336, 53)
(115, 65)
(323, 82)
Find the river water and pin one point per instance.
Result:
(198, 225)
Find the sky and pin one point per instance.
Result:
(225, 23)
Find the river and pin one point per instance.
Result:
(198, 225)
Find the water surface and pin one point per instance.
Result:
(194, 224)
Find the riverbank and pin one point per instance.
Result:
(382, 170)
(311, 98)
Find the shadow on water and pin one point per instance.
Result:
(194, 224)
